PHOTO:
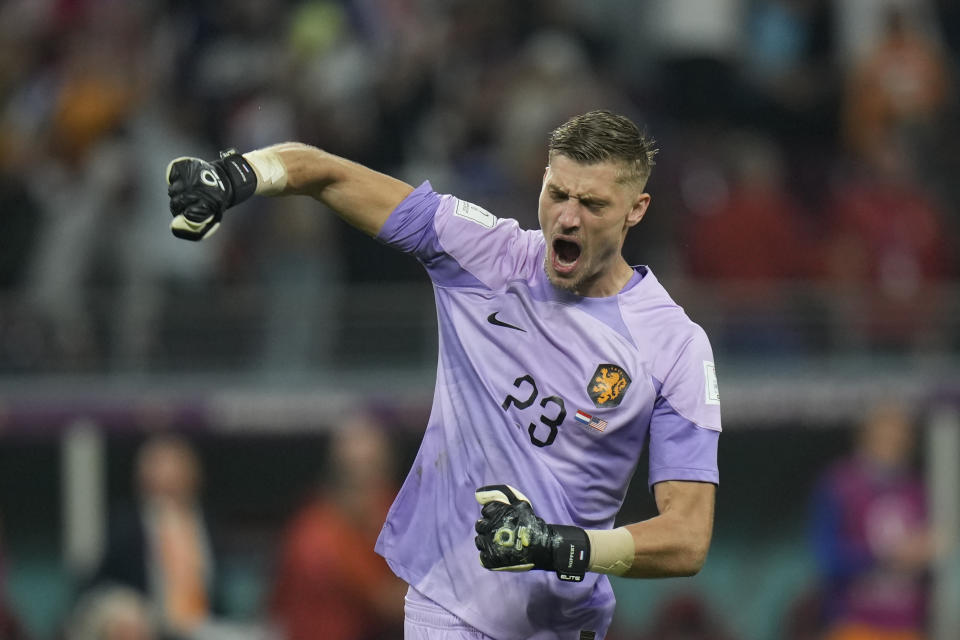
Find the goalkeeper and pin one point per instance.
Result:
(558, 362)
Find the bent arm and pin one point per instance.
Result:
(671, 544)
(364, 198)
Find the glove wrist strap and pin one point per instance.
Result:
(571, 556)
(242, 177)
(611, 550)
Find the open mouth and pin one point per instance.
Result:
(566, 253)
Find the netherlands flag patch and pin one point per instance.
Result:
(594, 423)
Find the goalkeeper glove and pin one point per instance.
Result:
(511, 537)
(201, 191)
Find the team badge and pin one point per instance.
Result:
(608, 385)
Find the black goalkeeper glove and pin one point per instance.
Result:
(201, 191)
(511, 537)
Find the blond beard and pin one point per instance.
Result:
(572, 286)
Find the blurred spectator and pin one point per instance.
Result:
(10, 626)
(285, 246)
(753, 232)
(781, 37)
(110, 613)
(551, 79)
(80, 177)
(897, 94)
(148, 267)
(750, 240)
(162, 548)
(698, 46)
(788, 64)
(329, 583)
(871, 535)
(886, 253)
(860, 24)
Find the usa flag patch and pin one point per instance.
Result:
(594, 423)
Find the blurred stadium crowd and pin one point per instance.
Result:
(805, 205)
(804, 202)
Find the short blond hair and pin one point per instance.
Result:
(603, 136)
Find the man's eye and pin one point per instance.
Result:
(558, 196)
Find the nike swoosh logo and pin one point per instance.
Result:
(492, 319)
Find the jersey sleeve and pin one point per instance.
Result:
(685, 423)
(409, 228)
(460, 243)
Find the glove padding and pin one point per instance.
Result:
(511, 537)
(200, 191)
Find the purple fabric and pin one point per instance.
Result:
(679, 449)
(410, 229)
(543, 390)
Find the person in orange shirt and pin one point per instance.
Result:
(898, 93)
(162, 547)
(329, 583)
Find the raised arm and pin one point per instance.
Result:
(200, 191)
(361, 196)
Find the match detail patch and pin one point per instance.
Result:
(711, 388)
(608, 385)
(473, 213)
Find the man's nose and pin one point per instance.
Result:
(570, 214)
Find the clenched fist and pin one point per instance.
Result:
(200, 191)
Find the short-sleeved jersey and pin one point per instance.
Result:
(552, 393)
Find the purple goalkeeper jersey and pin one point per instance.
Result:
(552, 393)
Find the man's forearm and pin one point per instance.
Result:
(361, 196)
(665, 549)
(672, 544)
(646, 550)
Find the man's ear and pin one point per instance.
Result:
(639, 209)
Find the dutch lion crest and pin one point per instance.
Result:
(608, 385)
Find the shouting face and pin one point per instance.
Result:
(585, 212)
